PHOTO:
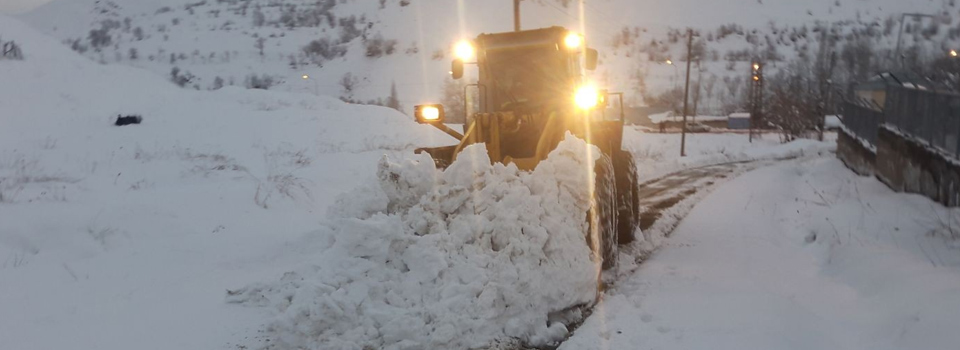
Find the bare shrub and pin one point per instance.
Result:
(101, 234)
(280, 179)
(323, 50)
(945, 225)
(286, 185)
(21, 174)
(207, 164)
(262, 82)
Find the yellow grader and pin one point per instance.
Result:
(531, 92)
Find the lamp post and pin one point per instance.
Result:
(676, 71)
(903, 20)
(316, 84)
(756, 97)
(686, 95)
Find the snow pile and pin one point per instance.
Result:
(444, 259)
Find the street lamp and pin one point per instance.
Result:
(953, 53)
(757, 72)
(316, 84)
(676, 71)
(756, 96)
(903, 20)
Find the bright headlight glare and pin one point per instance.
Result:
(573, 41)
(430, 113)
(587, 97)
(464, 50)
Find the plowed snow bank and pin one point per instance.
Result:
(443, 259)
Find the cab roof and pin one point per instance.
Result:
(522, 39)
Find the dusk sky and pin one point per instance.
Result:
(16, 6)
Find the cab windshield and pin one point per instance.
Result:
(531, 77)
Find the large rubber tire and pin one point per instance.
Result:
(603, 238)
(628, 197)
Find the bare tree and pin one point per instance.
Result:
(454, 101)
(259, 45)
(259, 19)
(100, 38)
(348, 82)
(823, 71)
(394, 100)
(791, 104)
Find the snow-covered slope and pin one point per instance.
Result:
(126, 237)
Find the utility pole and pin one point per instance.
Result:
(903, 20)
(516, 15)
(696, 94)
(686, 95)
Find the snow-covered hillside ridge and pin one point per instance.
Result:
(141, 228)
(360, 49)
(356, 49)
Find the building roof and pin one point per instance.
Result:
(904, 79)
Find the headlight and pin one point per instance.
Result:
(573, 41)
(464, 50)
(587, 97)
(429, 113)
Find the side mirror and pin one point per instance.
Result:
(456, 69)
(429, 114)
(593, 57)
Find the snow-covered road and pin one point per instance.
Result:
(800, 255)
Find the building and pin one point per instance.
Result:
(874, 90)
(641, 115)
(738, 121)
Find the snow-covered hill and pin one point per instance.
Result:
(367, 47)
(119, 237)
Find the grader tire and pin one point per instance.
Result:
(628, 198)
(604, 215)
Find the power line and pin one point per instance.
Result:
(589, 6)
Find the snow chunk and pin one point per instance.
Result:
(459, 258)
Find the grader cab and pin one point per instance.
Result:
(531, 92)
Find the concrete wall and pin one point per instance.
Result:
(909, 166)
(855, 155)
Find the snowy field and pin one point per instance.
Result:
(232, 218)
(659, 154)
